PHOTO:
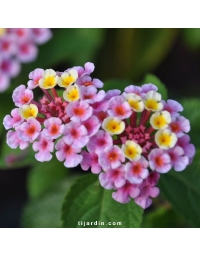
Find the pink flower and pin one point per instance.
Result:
(76, 135)
(101, 115)
(148, 87)
(88, 81)
(123, 194)
(100, 106)
(90, 160)
(148, 190)
(173, 107)
(128, 154)
(44, 146)
(90, 95)
(30, 130)
(137, 171)
(178, 160)
(41, 35)
(113, 178)
(14, 141)
(120, 108)
(112, 93)
(68, 154)
(35, 75)
(99, 142)
(143, 200)
(18, 45)
(7, 45)
(27, 52)
(103, 104)
(189, 149)
(22, 34)
(79, 111)
(54, 128)
(134, 89)
(111, 157)
(92, 125)
(13, 120)
(180, 125)
(87, 70)
(9, 66)
(22, 96)
(159, 161)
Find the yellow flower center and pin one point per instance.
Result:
(28, 111)
(134, 104)
(72, 93)
(49, 81)
(160, 121)
(165, 139)
(114, 126)
(132, 150)
(68, 80)
(152, 104)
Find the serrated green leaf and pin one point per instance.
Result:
(88, 201)
(182, 190)
(43, 176)
(150, 78)
(191, 112)
(44, 212)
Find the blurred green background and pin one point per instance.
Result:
(31, 193)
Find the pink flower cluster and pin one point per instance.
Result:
(18, 45)
(127, 138)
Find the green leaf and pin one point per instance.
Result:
(182, 190)
(191, 37)
(88, 201)
(191, 107)
(131, 53)
(43, 176)
(151, 47)
(163, 217)
(150, 78)
(44, 212)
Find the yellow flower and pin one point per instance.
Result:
(49, 79)
(132, 150)
(27, 111)
(160, 120)
(113, 125)
(135, 102)
(68, 78)
(152, 101)
(72, 93)
(165, 139)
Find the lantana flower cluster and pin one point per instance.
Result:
(128, 138)
(18, 45)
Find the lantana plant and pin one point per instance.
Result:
(18, 45)
(127, 138)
